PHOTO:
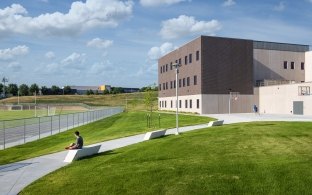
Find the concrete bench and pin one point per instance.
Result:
(154, 134)
(215, 123)
(79, 153)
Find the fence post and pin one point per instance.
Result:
(59, 123)
(51, 124)
(24, 130)
(3, 134)
(39, 127)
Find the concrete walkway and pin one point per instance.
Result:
(16, 176)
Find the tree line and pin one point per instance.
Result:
(25, 90)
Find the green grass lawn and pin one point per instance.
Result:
(121, 125)
(248, 158)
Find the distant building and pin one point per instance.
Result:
(82, 90)
(130, 90)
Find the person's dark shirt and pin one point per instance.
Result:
(79, 142)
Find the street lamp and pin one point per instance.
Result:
(4, 80)
(176, 66)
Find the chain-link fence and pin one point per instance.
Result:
(16, 132)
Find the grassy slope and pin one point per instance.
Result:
(250, 158)
(117, 126)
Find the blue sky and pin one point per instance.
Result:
(94, 42)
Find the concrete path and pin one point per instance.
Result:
(16, 176)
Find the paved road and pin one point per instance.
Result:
(16, 176)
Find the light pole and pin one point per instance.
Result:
(176, 66)
(4, 80)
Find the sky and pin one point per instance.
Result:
(115, 42)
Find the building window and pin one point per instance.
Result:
(302, 65)
(165, 104)
(166, 67)
(180, 103)
(183, 82)
(190, 103)
(159, 87)
(195, 80)
(285, 65)
(185, 103)
(197, 104)
(174, 84)
(292, 65)
(185, 60)
(180, 61)
(188, 81)
(171, 104)
(160, 69)
(170, 65)
(160, 104)
(197, 55)
(171, 86)
(180, 83)
(190, 58)
(166, 85)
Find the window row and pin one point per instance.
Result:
(292, 65)
(187, 104)
(182, 83)
(187, 60)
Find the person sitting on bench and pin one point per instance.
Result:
(78, 144)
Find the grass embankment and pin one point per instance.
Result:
(250, 158)
(133, 101)
(121, 125)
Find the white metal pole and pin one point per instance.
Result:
(177, 104)
(35, 104)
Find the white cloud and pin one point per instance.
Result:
(187, 25)
(10, 53)
(228, 3)
(81, 17)
(100, 43)
(281, 6)
(50, 55)
(154, 3)
(75, 60)
(156, 52)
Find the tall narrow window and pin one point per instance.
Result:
(171, 85)
(180, 61)
(190, 103)
(180, 103)
(160, 69)
(285, 65)
(174, 84)
(197, 103)
(188, 81)
(166, 85)
(160, 104)
(170, 65)
(171, 104)
(159, 87)
(185, 103)
(195, 80)
(165, 104)
(166, 67)
(292, 65)
(190, 58)
(197, 55)
(183, 82)
(185, 60)
(302, 65)
(180, 83)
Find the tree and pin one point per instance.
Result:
(67, 90)
(34, 88)
(55, 90)
(45, 90)
(13, 89)
(1, 88)
(96, 92)
(90, 92)
(24, 90)
(105, 92)
(149, 99)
